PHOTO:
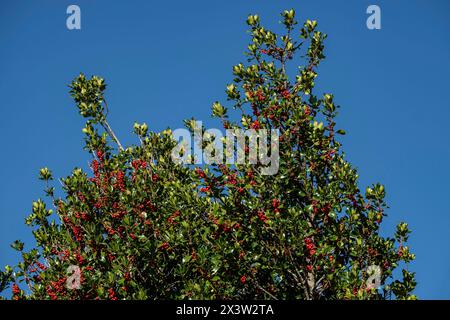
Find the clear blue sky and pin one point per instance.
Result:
(166, 61)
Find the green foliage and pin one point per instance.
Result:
(142, 227)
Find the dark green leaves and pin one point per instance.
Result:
(17, 245)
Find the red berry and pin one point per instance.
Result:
(112, 294)
(255, 125)
(15, 289)
(100, 155)
(164, 246)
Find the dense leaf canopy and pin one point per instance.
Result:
(139, 226)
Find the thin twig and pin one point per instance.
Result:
(108, 128)
(112, 135)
